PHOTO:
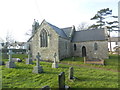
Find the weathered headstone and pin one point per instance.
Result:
(84, 59)
(10, 63)
(45, 88)
(37, 68)
(55, 65)
(61, 81)
(71, 73)
(29, 60)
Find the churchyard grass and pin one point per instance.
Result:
(22, 76)
(111, 63)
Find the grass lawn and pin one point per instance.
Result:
(111, 63)
(22, 76)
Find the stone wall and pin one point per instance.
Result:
(47, 53)
(102, 51)
(64, 48)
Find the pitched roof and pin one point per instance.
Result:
(58, 30)
(88, 35)
(68, 31)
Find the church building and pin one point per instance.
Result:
(48, 39)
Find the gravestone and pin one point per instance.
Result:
(61, 81)
(55, 65)
(29, 60)
(84, 59)
(37, 68)
(71, 73)
(10, 63)
(45, 88)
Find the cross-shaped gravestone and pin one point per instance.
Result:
(55, 65)
(10, 63)
(37, 68)
(29, 60)
(38, 59)
(55, 57)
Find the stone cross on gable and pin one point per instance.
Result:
(10, 55)
(38, 58)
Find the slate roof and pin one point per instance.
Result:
(88, 35)
(58, 31)
(68, 31)
(78, 36)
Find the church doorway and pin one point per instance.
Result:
(83, 51)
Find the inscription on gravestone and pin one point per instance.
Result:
(37, 68)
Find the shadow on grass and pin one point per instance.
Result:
(23, 67)
(95, 79)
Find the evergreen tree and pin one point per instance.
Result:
(101, 22)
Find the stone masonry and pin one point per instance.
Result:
(62, 42)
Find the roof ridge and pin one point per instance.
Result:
(57, 30)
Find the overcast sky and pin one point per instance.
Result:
(16, 16)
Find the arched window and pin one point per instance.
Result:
(75, 47)
(43, 38)
(95, 46)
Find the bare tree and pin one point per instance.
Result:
(9, 38)
(83, 26)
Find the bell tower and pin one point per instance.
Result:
(35, 25)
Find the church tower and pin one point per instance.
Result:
(35, 25)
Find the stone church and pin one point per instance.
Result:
(48, 39)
